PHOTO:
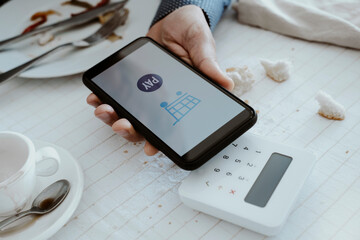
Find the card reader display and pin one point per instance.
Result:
(268, 179)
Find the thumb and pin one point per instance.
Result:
(203, 57)
(211, 68)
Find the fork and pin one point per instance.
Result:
(104, 31)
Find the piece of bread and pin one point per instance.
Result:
(242, 77)
(329, 108)
(279, 70)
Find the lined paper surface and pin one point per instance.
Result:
(128, 195)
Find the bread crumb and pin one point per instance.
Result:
(347, 152)
(105, 17)
(45, 38)
(242, 77)
(257, 111)
(114, 37)
(159, 205)
(329, 108)
(246, 101)
(278, 71)
(126, 151)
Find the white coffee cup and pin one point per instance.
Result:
(20, 164)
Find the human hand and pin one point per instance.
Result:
(186, 33)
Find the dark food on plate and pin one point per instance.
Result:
(103, 18)
(39, 15)
(43, 15)
(87, 6)
(77, 3)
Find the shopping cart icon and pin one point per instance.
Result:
(181, 106)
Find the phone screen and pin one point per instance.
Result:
(172, 101)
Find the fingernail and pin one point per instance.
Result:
(104, 117)
(123, 133)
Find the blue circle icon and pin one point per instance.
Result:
(163, 104)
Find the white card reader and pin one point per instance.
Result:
(253, 183)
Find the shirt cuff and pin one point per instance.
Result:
(213, 9)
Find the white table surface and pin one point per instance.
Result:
(128, 195)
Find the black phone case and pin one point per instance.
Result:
(151, 137)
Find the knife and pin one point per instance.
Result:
(76, 20)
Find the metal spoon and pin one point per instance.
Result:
(49, 199)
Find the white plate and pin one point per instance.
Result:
(15, 17)
(45, 226)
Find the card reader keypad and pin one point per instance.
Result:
(236, 168)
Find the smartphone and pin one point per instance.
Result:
(178, 109)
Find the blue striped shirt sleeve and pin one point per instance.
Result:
(213, 9)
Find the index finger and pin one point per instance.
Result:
(93, 100)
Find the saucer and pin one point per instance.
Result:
(43, 227)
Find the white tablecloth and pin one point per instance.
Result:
(128, 195)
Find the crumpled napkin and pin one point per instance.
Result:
(331, 21)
